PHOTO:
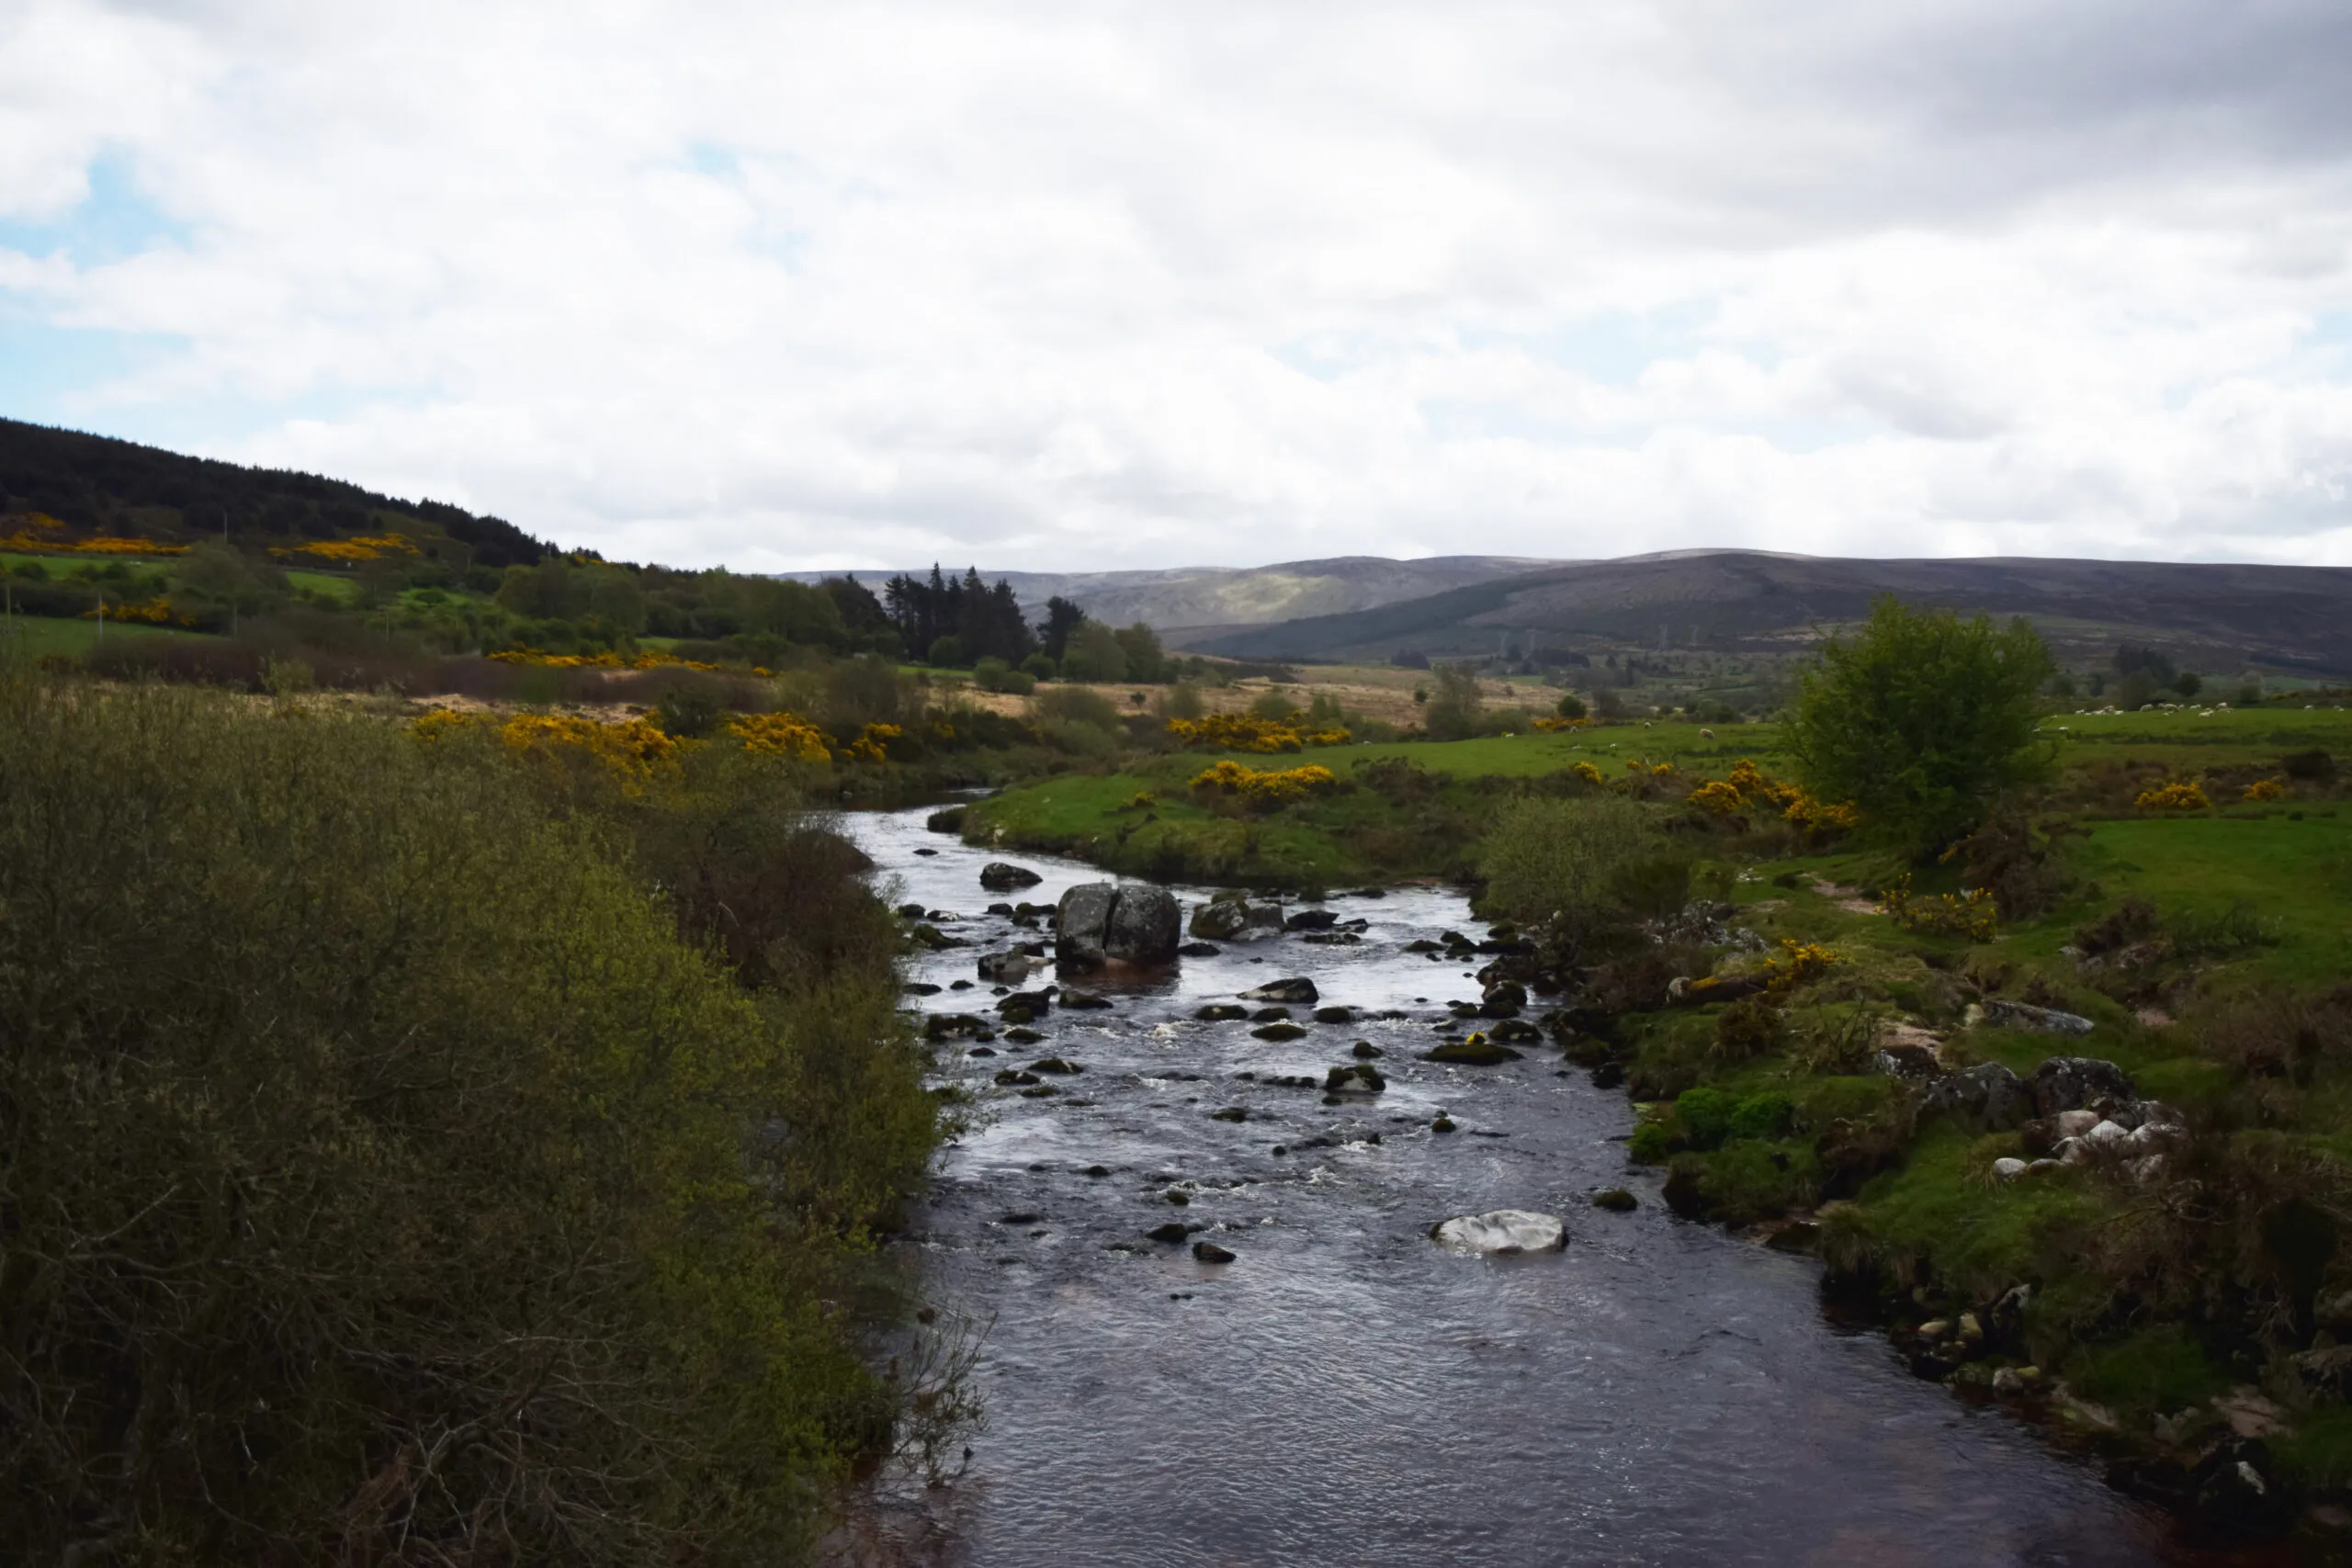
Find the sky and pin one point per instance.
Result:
(1084, 286)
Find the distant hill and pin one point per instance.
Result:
(95, 485)
(2220, 615)
(1188, 602)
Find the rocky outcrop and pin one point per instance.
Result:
(1101, 922)
(2041, 1021)
(1003, 876)
(2077, 1083)
(1986, 1098)
(1502, 1231)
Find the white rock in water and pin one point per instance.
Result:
(1504, 1230)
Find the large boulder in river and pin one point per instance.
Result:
(1101, 922)
(1298, 989)
(1003, 876)
(1502, 1231)
(1235, 919)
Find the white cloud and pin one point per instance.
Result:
(1065, 286)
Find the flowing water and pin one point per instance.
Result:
(1346, 1392)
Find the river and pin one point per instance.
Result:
(1345, 1391)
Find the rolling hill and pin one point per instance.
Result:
(1185, 603)
(2291, 618)
(79, 487)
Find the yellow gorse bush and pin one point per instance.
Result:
(156, 612)
(1974, 914)
(1718, 798)
(2180, 795)
(631, 745)
(1266, 788)
(1748, 787)
(105, 545)
(781, 735)
(2265, 789)
(649, 659)
(1247, 732)
(873, 743)
(1586, 772)
(1797, 964)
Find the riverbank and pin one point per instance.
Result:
(1345, 1391)
(2173, 1300)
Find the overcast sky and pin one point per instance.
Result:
(1088, 286)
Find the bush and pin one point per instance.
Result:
(1454, 713)
(993, 674)
(1571, 707)
(1547, 855)
(1069, 705)
(1922, 721)
(409, 1191)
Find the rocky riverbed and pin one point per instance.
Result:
(1221, 1330)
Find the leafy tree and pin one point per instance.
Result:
(947, 653)
(1094, 655)
(1453, 710)
(1922, 721)
(1140, 644)
(1572, 706)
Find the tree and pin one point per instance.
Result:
(1061, 623)
(1094, 654)
(1921, 720)
(1145, 662)
(1572, 706)
(1453, 711)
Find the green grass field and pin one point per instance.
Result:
(326, 584)
(38, 636)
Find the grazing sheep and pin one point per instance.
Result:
(1707, 734)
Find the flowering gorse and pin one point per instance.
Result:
(1247, 732)
(1266, 788)
(2182, 794)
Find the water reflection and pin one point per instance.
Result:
(1346, 1393)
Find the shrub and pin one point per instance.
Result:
(1922, 721)
(1546, 856)
(2177, 796)
(1571, 707)
(410, 1191)
(2265, 789)
(1265, 789)
(1747, 1029)
(2312, 766)
(1074, 706)
(1453, 713)
(1973, 914)
(993, 674)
